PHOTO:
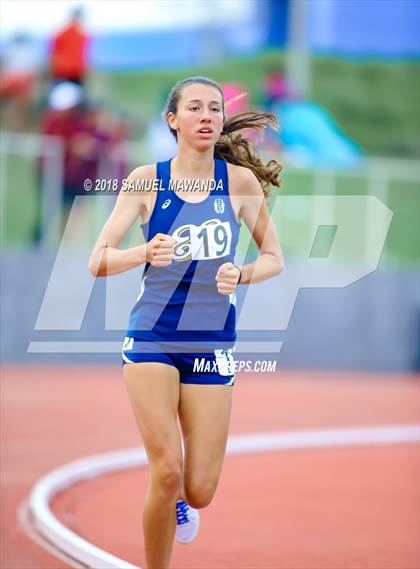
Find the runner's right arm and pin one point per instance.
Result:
(106, 258)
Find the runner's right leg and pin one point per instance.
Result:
(153, 389)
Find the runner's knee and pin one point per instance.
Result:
(167, 479)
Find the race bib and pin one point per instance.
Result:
(211, 240)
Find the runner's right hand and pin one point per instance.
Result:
(160, 250)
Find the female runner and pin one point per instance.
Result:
(177, 354)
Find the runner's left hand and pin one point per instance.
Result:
(227, 278)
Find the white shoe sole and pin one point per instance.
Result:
(192, 537)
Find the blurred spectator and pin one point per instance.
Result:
(277, 88)
(19, 70)
(68, 55)
(95, 150)
(93, 143)
(63, 118)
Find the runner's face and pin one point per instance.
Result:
(199, 118)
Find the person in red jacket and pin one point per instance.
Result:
(68, 55)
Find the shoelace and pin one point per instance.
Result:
(182, 512)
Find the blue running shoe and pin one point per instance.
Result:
(187, 522)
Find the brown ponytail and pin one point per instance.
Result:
(233, 146)
(237, 149)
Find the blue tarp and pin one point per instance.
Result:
(312, 137)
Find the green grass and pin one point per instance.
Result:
(404, 233)
(20, 199)
(375, 102)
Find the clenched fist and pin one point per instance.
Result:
(227, 278)
(160, 250)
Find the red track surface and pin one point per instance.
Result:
(336, 508)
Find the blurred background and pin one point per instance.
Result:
(81, 95)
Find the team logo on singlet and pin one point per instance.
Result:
(166, 203)
(219, 205)
(210, 240)
(128, 343)
(225, 361)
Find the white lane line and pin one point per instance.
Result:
(263, 442)
(92, 556)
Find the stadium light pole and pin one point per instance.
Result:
(298, 58)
